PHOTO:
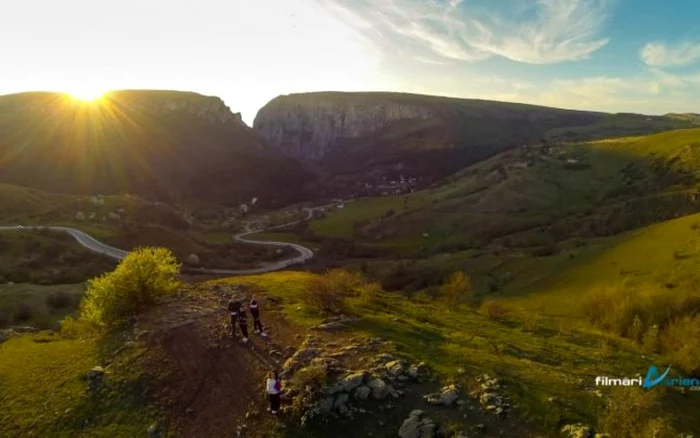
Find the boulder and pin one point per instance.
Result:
(340, 403)
(410, 428)
(352, 381)
(395, 367)
(577, 431)
(362, 392)
(95, 377)
(447, 396)
(325, 406)
(379, 388)
(415, 426)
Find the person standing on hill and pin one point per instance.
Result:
(273, 388)
(243, 323)
(255, 311)
(233, 308)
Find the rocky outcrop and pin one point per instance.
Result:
(417, 425)
(306, 126)
(490, 397)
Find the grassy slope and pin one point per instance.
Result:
(497, 197)
(551, 359)
(42, 389)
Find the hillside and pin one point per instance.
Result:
(368, 138)
(162, 144)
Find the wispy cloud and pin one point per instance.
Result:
(659, 54)
(540, 32)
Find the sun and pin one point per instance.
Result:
(87, 94)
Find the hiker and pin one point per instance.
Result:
(255, 311)
(273, 389)
(243, 324)
(233, 308)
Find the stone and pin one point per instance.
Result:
(577, 431)
(385, 357)
(326, 404)
(410, 428)
(427, 429)
(362, 392)
(153, 430)
(379, 388)
(336, 325)
(447, 396)
(395, 367)
(352, 381)
(95, 377)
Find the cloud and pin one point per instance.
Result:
(658, 54)
(535, 32)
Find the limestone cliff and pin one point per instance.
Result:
(307, 126)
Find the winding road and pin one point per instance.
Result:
(95, 245)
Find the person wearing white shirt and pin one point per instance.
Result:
(273, 389)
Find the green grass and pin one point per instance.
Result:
(37, 299)
(555, 359)
(43, 390)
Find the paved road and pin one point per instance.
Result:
(95, 245)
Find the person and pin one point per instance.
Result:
(273, 389)
(233, 308)
(255, 311)
(243, 324)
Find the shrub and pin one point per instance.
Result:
(326, 293)
(617, 308)
(142, 277)
(635, 413)
(59, 300)
(681, 341)
(531, 322)
(457, 289)
(650, 341)
(369, 293)
(22, 313)
(496, 309)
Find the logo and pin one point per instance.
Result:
(652, 379)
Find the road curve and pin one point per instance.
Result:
(95, 245)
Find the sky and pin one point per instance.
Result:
(611, 55)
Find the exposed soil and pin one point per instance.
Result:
(208, 380)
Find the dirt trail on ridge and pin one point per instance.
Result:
(208, 381)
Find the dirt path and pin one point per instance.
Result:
(212, 382)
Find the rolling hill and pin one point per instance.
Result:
(162, 144)
(369, 137)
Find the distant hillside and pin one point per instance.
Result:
(164, 144)
(367, 136)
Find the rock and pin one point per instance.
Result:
(337, 325)
(362, 392)
(153, 430)
(461, 371)
(95, 377)
(352, 381)
(341, 404)
(326, 405)
(447, 396)
(395, 367)
(379, 388)
(410, 428)
(417, 427)
(385, 357)
(577, 431)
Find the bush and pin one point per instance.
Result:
(635, 413)
(628, 311)
(496, 309)
(681, 341)
(326, 293)
(142, 277)
(369, 293)
(457, 289)
(23, 313)
(59, 300)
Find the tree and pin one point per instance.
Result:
(457, 289)
(144, 275)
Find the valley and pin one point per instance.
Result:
(540, 247)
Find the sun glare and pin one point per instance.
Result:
(87, 95)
